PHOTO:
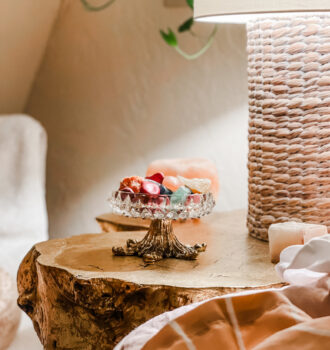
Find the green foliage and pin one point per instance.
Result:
(190, 3)
(186, 25)
(169, 37)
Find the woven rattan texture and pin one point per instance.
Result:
(289, 125)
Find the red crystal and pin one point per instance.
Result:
(133, 182)
(158, 177)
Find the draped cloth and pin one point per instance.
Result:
(293, 317)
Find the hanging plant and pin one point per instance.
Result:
(169, 37)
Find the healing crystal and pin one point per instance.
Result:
(165, 190)
(150, 187)
(180, 196)
(189, 168)
(133, 182)
(196, 185)
(158, 177)
(172, 183)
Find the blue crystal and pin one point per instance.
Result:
(164, 190)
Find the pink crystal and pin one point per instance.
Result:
(189, 168)
(149, 187)
(172, 183)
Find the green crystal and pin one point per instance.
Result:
(180, 195)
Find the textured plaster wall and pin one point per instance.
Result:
(24, 29)
(113, 97)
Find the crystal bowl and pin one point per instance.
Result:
(145, 206)
(160, 241)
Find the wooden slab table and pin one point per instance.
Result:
(113, 223)
(80, 296)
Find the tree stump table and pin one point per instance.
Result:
(114, 223)
(80, 296)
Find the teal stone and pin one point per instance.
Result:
(180, 195)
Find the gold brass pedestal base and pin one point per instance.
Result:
(160, 242)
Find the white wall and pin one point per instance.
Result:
(24, 29)
(113, 97)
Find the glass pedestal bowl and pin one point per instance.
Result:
(160, 241)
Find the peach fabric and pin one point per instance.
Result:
(258, 321)
(291, 318)
(189, 168)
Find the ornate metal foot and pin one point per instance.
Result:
(160, 242)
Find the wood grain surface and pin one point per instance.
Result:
(80, 296)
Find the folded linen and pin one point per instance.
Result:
(301, 265)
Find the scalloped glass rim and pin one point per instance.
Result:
(144, 195)
(141, 205)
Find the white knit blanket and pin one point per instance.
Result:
(23, 215)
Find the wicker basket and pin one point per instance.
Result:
(289, 126)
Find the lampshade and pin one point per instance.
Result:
(238, 11)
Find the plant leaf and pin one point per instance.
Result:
(186, 25)
(190, 3)
(169, 37)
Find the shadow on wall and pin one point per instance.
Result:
(113, 97)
